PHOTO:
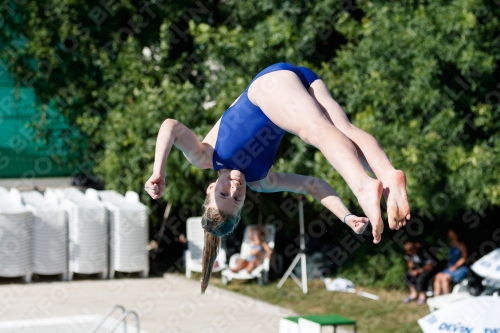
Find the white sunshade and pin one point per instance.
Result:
(488, 266)
(471, 315)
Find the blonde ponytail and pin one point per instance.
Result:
(210, 249)
(216, 225)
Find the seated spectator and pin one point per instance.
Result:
(420, 269)
(456, 270)
(258, 250)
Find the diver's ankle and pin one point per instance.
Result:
(387, 177)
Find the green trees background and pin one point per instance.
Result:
(422, 76)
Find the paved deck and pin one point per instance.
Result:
(169, 304)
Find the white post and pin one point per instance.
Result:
(304, 273)
(302, 246)
(301, 256)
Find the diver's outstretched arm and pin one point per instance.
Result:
(318, 188)
(173, 132)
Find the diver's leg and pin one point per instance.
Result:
(394, 181)
(283, 98)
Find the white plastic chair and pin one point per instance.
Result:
(49, 234)
(128, 231)
(194, 253)
(261, 272)
(15, 236)
(87, 230)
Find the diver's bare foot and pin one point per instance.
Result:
(368, 196)
(358, 224)
(398, 208)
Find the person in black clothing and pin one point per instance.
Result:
(420, 268)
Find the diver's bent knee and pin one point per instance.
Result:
(304, 136)
(309, 136)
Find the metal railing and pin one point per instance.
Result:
(121, 319)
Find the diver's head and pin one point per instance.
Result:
(227, 193)
(221, 214)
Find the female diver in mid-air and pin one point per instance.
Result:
(242, 147)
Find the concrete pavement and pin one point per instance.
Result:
(169, 304)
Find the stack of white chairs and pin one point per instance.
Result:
(194, 254)
(128, 231)
(88, 232)
(15, 237)
(49, 234)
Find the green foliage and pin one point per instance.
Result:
(378, 270)
(425, 76)
(132, 125)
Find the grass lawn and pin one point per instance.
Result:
(388, 315)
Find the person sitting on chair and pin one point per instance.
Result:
(420, 268)
(258, 248)
(456, 270)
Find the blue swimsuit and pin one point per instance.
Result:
(247, 138)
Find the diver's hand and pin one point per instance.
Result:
(155, 186)
(358, 224)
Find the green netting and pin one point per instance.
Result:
(22, 153)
